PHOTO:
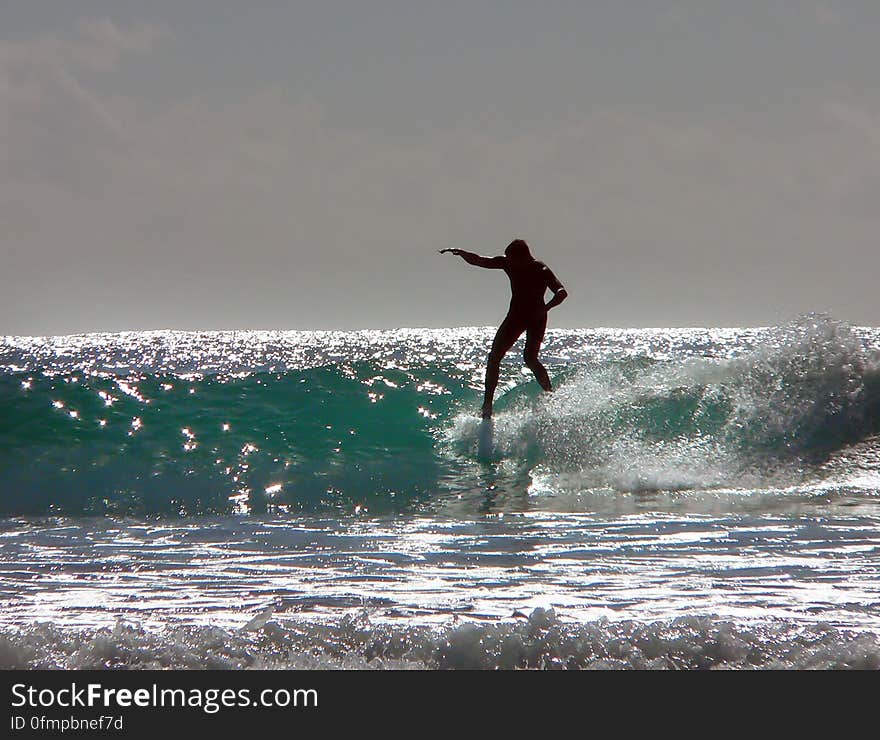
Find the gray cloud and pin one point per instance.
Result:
(264, 207)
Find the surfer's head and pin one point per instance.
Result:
(518, 250)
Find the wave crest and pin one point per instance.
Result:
(810, 388)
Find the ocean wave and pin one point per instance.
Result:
(387, 423)
(537, 641)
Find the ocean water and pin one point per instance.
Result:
(685, 498)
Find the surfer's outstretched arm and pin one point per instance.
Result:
(491, 263)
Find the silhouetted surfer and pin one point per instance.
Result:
(529, 281)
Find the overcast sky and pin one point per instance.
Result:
(215, 164)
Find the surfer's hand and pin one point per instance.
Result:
(456, 252)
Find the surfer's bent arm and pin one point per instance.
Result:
(559, 291)
(491, 263)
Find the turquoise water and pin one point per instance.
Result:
(163, 491)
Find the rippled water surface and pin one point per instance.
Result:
(657, 566)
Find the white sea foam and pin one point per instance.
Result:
(539, 641)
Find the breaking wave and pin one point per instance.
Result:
(538, 641)
(368, 429)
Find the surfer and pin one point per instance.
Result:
(529, 281)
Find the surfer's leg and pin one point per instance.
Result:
(534, 337)
(507, 334)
